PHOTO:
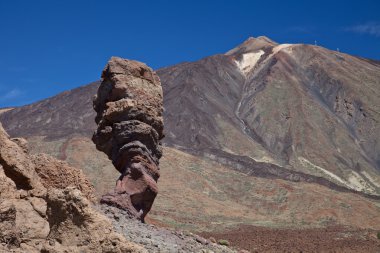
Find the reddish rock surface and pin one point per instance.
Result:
(130, 127)
(330, 239)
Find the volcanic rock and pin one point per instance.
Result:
(130, 126)
(17, 166)
(58, 174)
(43, 210)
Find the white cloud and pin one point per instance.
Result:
(371, 28)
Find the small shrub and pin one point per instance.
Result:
(378, 235)
(224, 242)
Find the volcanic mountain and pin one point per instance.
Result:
(265, 133)
(299, 107)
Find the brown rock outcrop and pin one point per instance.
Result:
(18, 167)
(43, 210)
(58, 174)
(130, 127)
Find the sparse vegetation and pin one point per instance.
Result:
(281, 196)
(345, 205)
(224, 242)
(327, 221)
(378, 235)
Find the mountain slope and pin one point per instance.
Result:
(296, 112)
(66, 114)
(197, 193)
(301, 107)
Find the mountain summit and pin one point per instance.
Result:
(253, 44)
(254, 51)
(289, 110)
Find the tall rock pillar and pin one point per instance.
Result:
(130, 126)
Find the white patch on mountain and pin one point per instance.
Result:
(248, 61)
(278, 48)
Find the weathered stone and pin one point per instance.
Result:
(22, 143)
(43, 206)
(9, 234)
(31, 223)
(39, 205)
(7, 186)
(77, 227)
(130, 127)
(17, 166)
(58, 174)
(201, 240)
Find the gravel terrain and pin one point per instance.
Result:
(156, 239)
(329, 239)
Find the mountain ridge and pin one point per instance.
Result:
(271, 109)
(279, 56)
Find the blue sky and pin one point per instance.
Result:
(47, 47)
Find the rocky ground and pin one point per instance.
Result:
(330, 239)
(45, 207)
(159, 239)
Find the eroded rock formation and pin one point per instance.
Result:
(130, 127)
(44, 206)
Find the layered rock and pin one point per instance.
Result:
(42, 207)
(130, 127)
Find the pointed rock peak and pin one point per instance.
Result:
(249, 40)
(265, 38)
(252, 44)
